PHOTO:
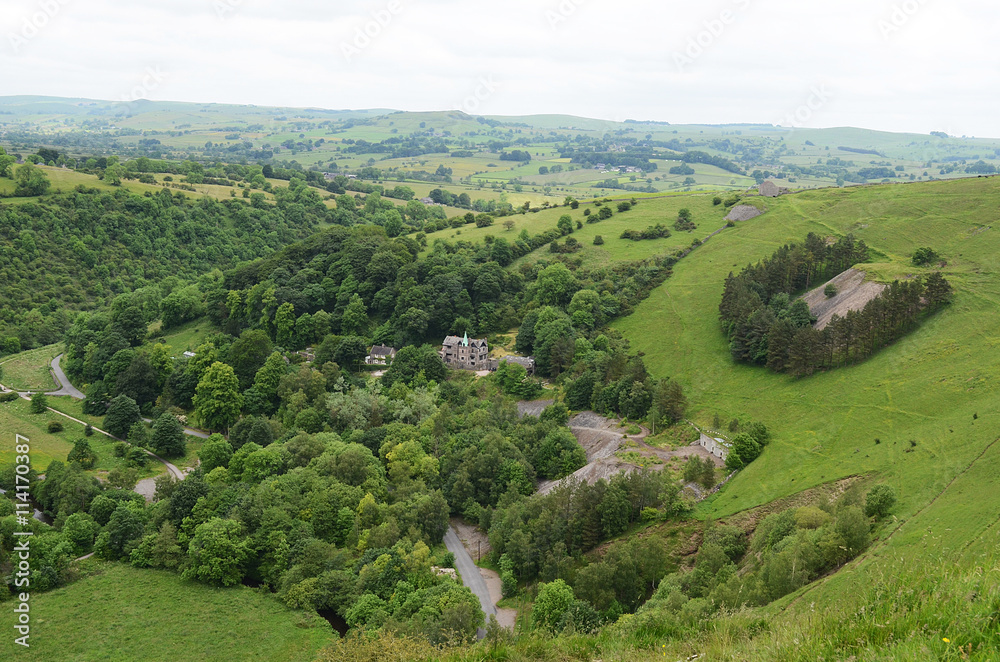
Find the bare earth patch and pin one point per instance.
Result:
(853, 293)
(505, 617)
(603, 438)
(532, 408)
(743, 213)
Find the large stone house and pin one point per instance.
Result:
(464, 354)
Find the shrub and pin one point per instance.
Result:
(554, 600)
(508, 584)
(925, 256)
(39, 403)
(879, 501)
(54, 426)
(716, 201)
(657, 231)
(88, 431)
(136, 457)
(830, 290)
(82, 454)
(598, 240)
(9, 397)
(448, 561)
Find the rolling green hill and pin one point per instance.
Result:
(411, 146)
(921, 415)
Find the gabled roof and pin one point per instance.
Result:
(382, 350)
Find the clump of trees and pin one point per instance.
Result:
(657, 231)
(924, 256)
(765, 327)
(787, 550)
(684, 221)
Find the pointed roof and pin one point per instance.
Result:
(465, 339)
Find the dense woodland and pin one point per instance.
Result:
(328, 488)
(766, 326)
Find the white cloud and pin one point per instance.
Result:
(933, 68)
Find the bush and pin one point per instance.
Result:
(879, 501)
(716, 201)
(657, 231)
(82, 454)
(88, 431)
(554, 600)
(136, 457)
(925, 256)
(448, 561)
(598, 240)
(9, 397)
(830, 290)
(508, 584)
(39, 403)
(54, 427)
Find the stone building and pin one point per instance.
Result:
(464, 354)
(715, 445)
(380, 355)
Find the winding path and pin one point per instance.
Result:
(62, 381)
(66, 388)
(470, 575)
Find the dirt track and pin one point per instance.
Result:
(602, 438)
(853, 293)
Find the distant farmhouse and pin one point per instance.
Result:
(526, 362)
(464, 354)
(380, 355)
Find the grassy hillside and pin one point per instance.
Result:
(930, 400)
(30, 371)
(122, 614)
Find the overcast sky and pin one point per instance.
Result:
(897, 65)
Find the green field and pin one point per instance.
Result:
(649, 211)
(30, 371)
(323, 140)
(15, 418)
(936, 388)
(187, 337)
(120, 614)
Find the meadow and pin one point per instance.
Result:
(30, 371)
(116, 609)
